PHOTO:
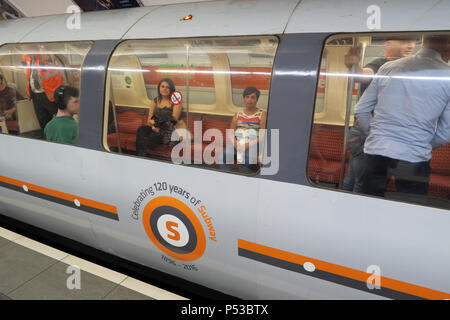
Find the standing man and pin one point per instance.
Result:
(396, 48)
(410, 100)
(44, 75)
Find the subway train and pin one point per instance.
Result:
(284, 231)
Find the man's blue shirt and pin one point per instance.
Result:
(410, 98)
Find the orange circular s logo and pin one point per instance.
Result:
(174, 229)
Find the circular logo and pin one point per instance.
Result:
(166, 224)
(174, 228)
(176, 97)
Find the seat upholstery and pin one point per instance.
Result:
(325, 155)
(12, 125)
(130, 121)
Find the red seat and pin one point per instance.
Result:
(440, 173)
(222, 126)
(326, 154)
(324, 170)
(439, 186)
(127, 140)
(12, 125)
(327, 144)
(130, 121)
(440, 160)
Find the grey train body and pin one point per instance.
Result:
(264, 225)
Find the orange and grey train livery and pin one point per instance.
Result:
(283, 230)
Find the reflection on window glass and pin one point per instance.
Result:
(39, 88)
(163, 90)
(251, 68)
(201, 84)
(393, 126)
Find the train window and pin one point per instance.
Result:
(251, 69)
(187, 86)
(30, 74)
(382, 117)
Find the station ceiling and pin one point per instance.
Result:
(33, 8)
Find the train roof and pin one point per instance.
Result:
(231, 18)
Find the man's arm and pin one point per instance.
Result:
(442, 135)
(353, 58)
(366, 105)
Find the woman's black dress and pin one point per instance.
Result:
(147, 138)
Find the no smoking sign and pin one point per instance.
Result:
(176, 97)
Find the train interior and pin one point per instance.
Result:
(211, 74)
(326, 165)
(69, 56)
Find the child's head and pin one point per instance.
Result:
(67, 98)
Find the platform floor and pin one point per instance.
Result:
(30, 270)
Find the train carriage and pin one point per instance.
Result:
(284, 231)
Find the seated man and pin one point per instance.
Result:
(7, 100)
(246, 125)
(63, 128)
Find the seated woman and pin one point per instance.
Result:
(246, 125)
(161, 121)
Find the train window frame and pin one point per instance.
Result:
(107, 94)
(434, 202)
(88, 43)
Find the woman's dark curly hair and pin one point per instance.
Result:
(171, 86)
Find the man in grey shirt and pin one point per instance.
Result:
(410, 98)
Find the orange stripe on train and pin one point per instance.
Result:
(60, 195)
(344, 271)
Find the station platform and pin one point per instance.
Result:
(30, 270)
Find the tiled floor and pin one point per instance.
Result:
(33, 271)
